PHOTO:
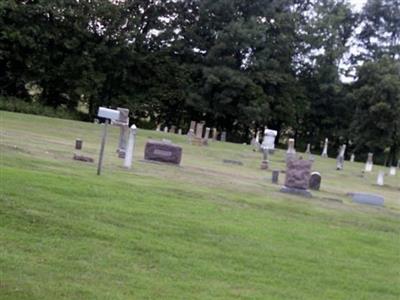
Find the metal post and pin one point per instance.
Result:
(103, 143)
(131, 147)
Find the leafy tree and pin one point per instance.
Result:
(376, 123)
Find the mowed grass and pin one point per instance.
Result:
(205, 230)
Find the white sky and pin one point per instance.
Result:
(357, 4)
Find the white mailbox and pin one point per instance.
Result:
(107, 113)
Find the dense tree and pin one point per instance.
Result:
(376, 93)
(239, 65)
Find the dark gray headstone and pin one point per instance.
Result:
(78, 144)
(315, 181)
(275, 176)
(83, 158)
(370, 199)
(297, 177)
(163, 152)
(233, 162)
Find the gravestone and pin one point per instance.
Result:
(223, 136)
(264, 162)
(392, 171)
(78, 144)
(291, 152)
(380, 178)
(206, 136)
(369, 199)
(199, 130)
(180, 131)
(269, 140)
(163, 152)
(190, 135)
(233, 162)
(192, 126)
(340, 158)
(214, 134)
(83, 158)
(398, 164)
(315, 181)
(123, 123)
(166, 129)
(158, 127)
(173, 129)
(325, 150)
(352, 157)
(297, 179)
(370, 163)
(275, 176)
(308, 150)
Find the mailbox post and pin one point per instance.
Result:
(108, 114)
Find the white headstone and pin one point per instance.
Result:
(392, 171)
(166, 129)
(369, 164)
(269, 139)
(352, 157)
(131, 147)
(380, 180)
(325, 150)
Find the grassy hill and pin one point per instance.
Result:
(205, 230)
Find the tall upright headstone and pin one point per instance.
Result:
(190, 135)
(269, 140)
(370, 163)
(131, 147)
(158, 127)
(392, 171)
(206, 136)
(199, 130)
(325, 150)
(291, 152)
(308, 150)
(264, 162)
(352, 157)
(223, 136)
(180, 131)
(214, 134)
(123, 123)
(340, 158)
(192, 126)
(166, 129)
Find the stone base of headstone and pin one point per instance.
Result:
(275, 176)
(204, 142)
(197, 141)
(299, 192)
(121, 153)
(290, 156)
(264, 165)
(271, 151)
(83, 158)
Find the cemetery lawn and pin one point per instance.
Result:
(205, 230)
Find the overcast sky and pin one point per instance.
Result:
(357, 4)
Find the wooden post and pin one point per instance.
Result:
(103, 143)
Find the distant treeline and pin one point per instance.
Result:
(239, 65)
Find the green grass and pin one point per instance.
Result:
(206, 230)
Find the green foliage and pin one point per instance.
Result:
(376, 123)
(35, 108)
(239, 65)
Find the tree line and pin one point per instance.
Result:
(238, 65)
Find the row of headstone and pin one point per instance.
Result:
(196, 137)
